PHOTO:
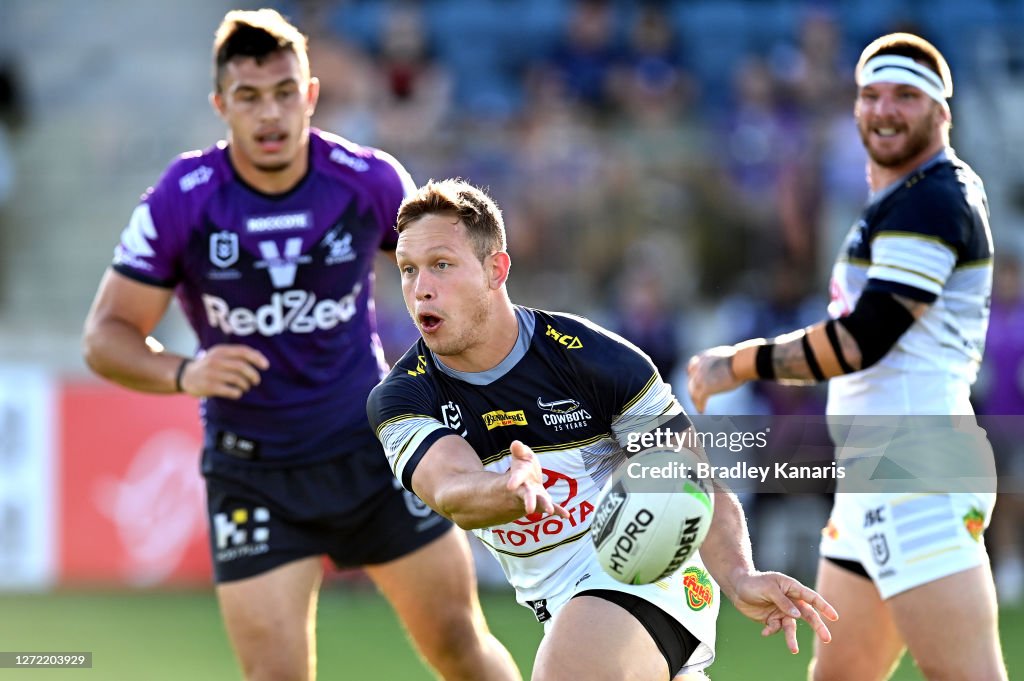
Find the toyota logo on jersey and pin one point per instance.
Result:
(551, 484)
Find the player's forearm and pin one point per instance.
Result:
(726, 550)
(789, 360)
(801, 357)
(478, 499)
(834, 347)
(118, 352)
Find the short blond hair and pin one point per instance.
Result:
(461, 200)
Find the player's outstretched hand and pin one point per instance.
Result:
(710, 373)
(778, 601)
(228, 370)
(526, 479)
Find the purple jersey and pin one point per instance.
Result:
(288, 274)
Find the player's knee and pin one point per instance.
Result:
(823, 670)
(819, 672)
(459, 632)
(275, 668)
(972, 670)
(273, 657)
(458, 639)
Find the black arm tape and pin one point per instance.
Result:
(812, 360)
(763, 361)
(876, 323)
(833, 339)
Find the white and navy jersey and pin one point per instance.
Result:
(289, 274)
(570, 390)
(925, 237)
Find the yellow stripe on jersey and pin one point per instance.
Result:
(641, 394)
(975, 264)
(908, 271)
(932, 554)
(859, 262)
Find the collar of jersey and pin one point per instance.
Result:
(946, 154)
(526, 325)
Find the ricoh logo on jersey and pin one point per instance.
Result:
(536, 527)
(499, 418)
(565, 414)
(295, 311)
(279, 223)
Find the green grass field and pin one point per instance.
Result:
(160, 636)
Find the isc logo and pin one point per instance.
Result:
(874, 516)
(570, 342)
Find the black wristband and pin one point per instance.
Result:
(763, 362)
(180, 374)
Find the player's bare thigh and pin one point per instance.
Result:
(270, 620)
(433, 583)
(594, 639)
(951, 628)
(433, 590)
(866, 645)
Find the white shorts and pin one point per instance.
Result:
(690, 596)
(905, 540)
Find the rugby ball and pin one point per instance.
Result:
(651, 517)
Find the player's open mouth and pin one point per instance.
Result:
(271, 141)
(887, 132)
(429, 323)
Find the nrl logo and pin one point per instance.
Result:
(223, 249)
(879, 548)
(451, 414)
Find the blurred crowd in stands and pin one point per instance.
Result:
(679, 186)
